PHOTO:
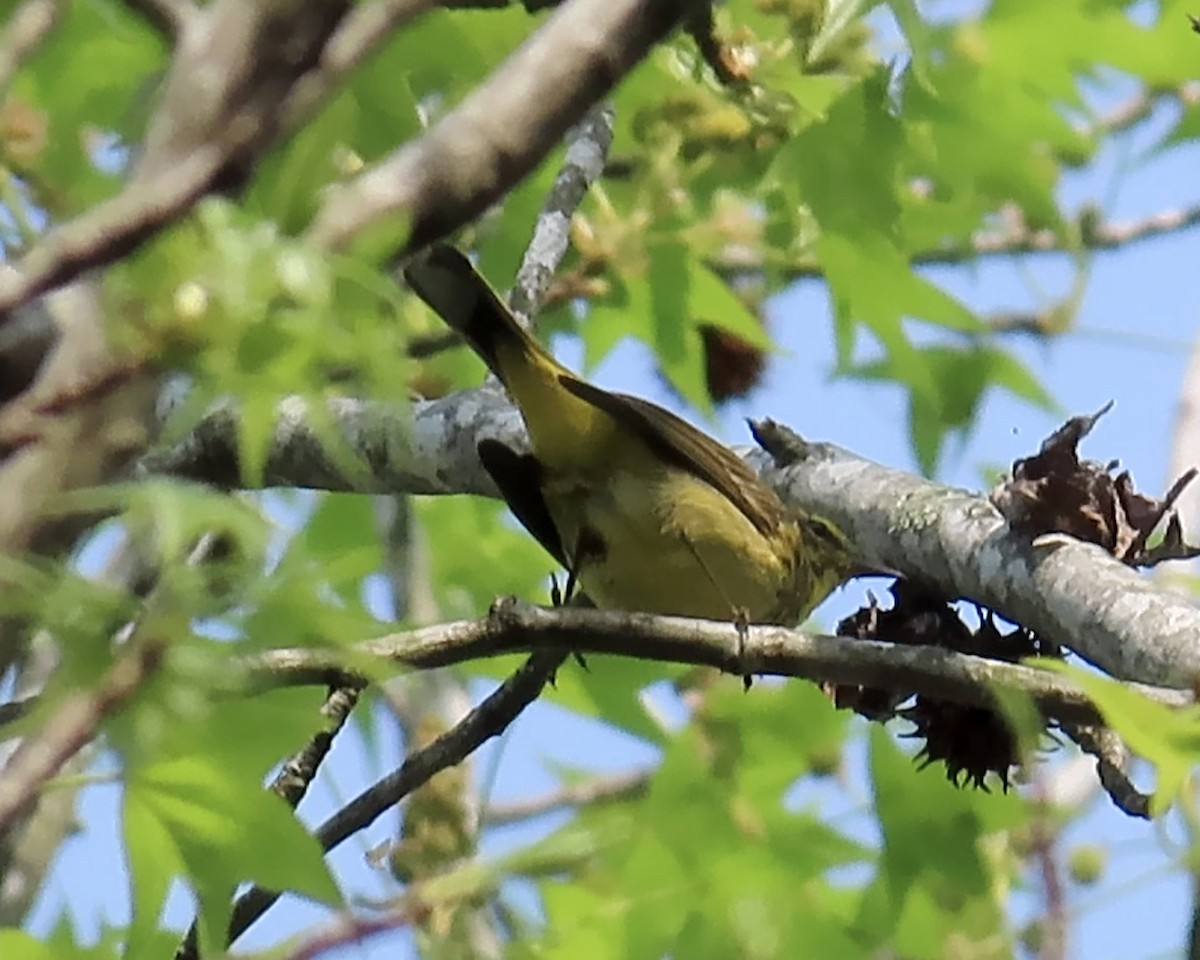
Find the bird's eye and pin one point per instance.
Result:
(824, 530)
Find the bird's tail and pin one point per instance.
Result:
(447, 281)
(564, 429)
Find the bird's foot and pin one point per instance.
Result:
(741, 623)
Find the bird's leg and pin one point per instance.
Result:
(587, 546)
(561, 598)
(572, 584)
(739, 615)
(741, 623)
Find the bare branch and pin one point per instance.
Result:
(504, 128)
(929, 671)
(72, 727)
(489, 719)
(587, 147)
(1193, 934)
(516, 627)
(357, 37)
(1112, 764)
(1068, 592)
(1016, 239)
(414, 450)
(16, 709)
(1054, 923)
(293, 779)
(346, 929)
(29, 25)
(1128, 113)
(1090, 234)
(597, 790)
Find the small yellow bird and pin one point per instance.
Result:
(645, 511)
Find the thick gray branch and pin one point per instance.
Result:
(1069, 592)
(1072, 593)
(429, 449)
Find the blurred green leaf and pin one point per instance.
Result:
(945, 386)
(198, 811)
(19, 945)
(475, 556)
(935, 881)
(96, 73)
(677, 346)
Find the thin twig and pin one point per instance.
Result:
(596, 790)
(293, 779)
(354, 41)
(1112, 763)
(1054, 923)
(1139, 107)
(1093, 235)
(1193, 936)
(1088, 233)
(772, 651)
(587, 146)
(515, 626)
(24, 32)
(489, 719)
(719, 55)
(16, 709)
(347, 929)
(74, 725)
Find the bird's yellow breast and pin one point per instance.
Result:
(667, 542)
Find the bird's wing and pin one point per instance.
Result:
(678, 442)
(519, 477)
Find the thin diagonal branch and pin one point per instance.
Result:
(29, 25)
(622, 786)
(356, 39)
(587, 147)
(489, 719)
(295, 776)
(1112, 764)
(73, 726)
